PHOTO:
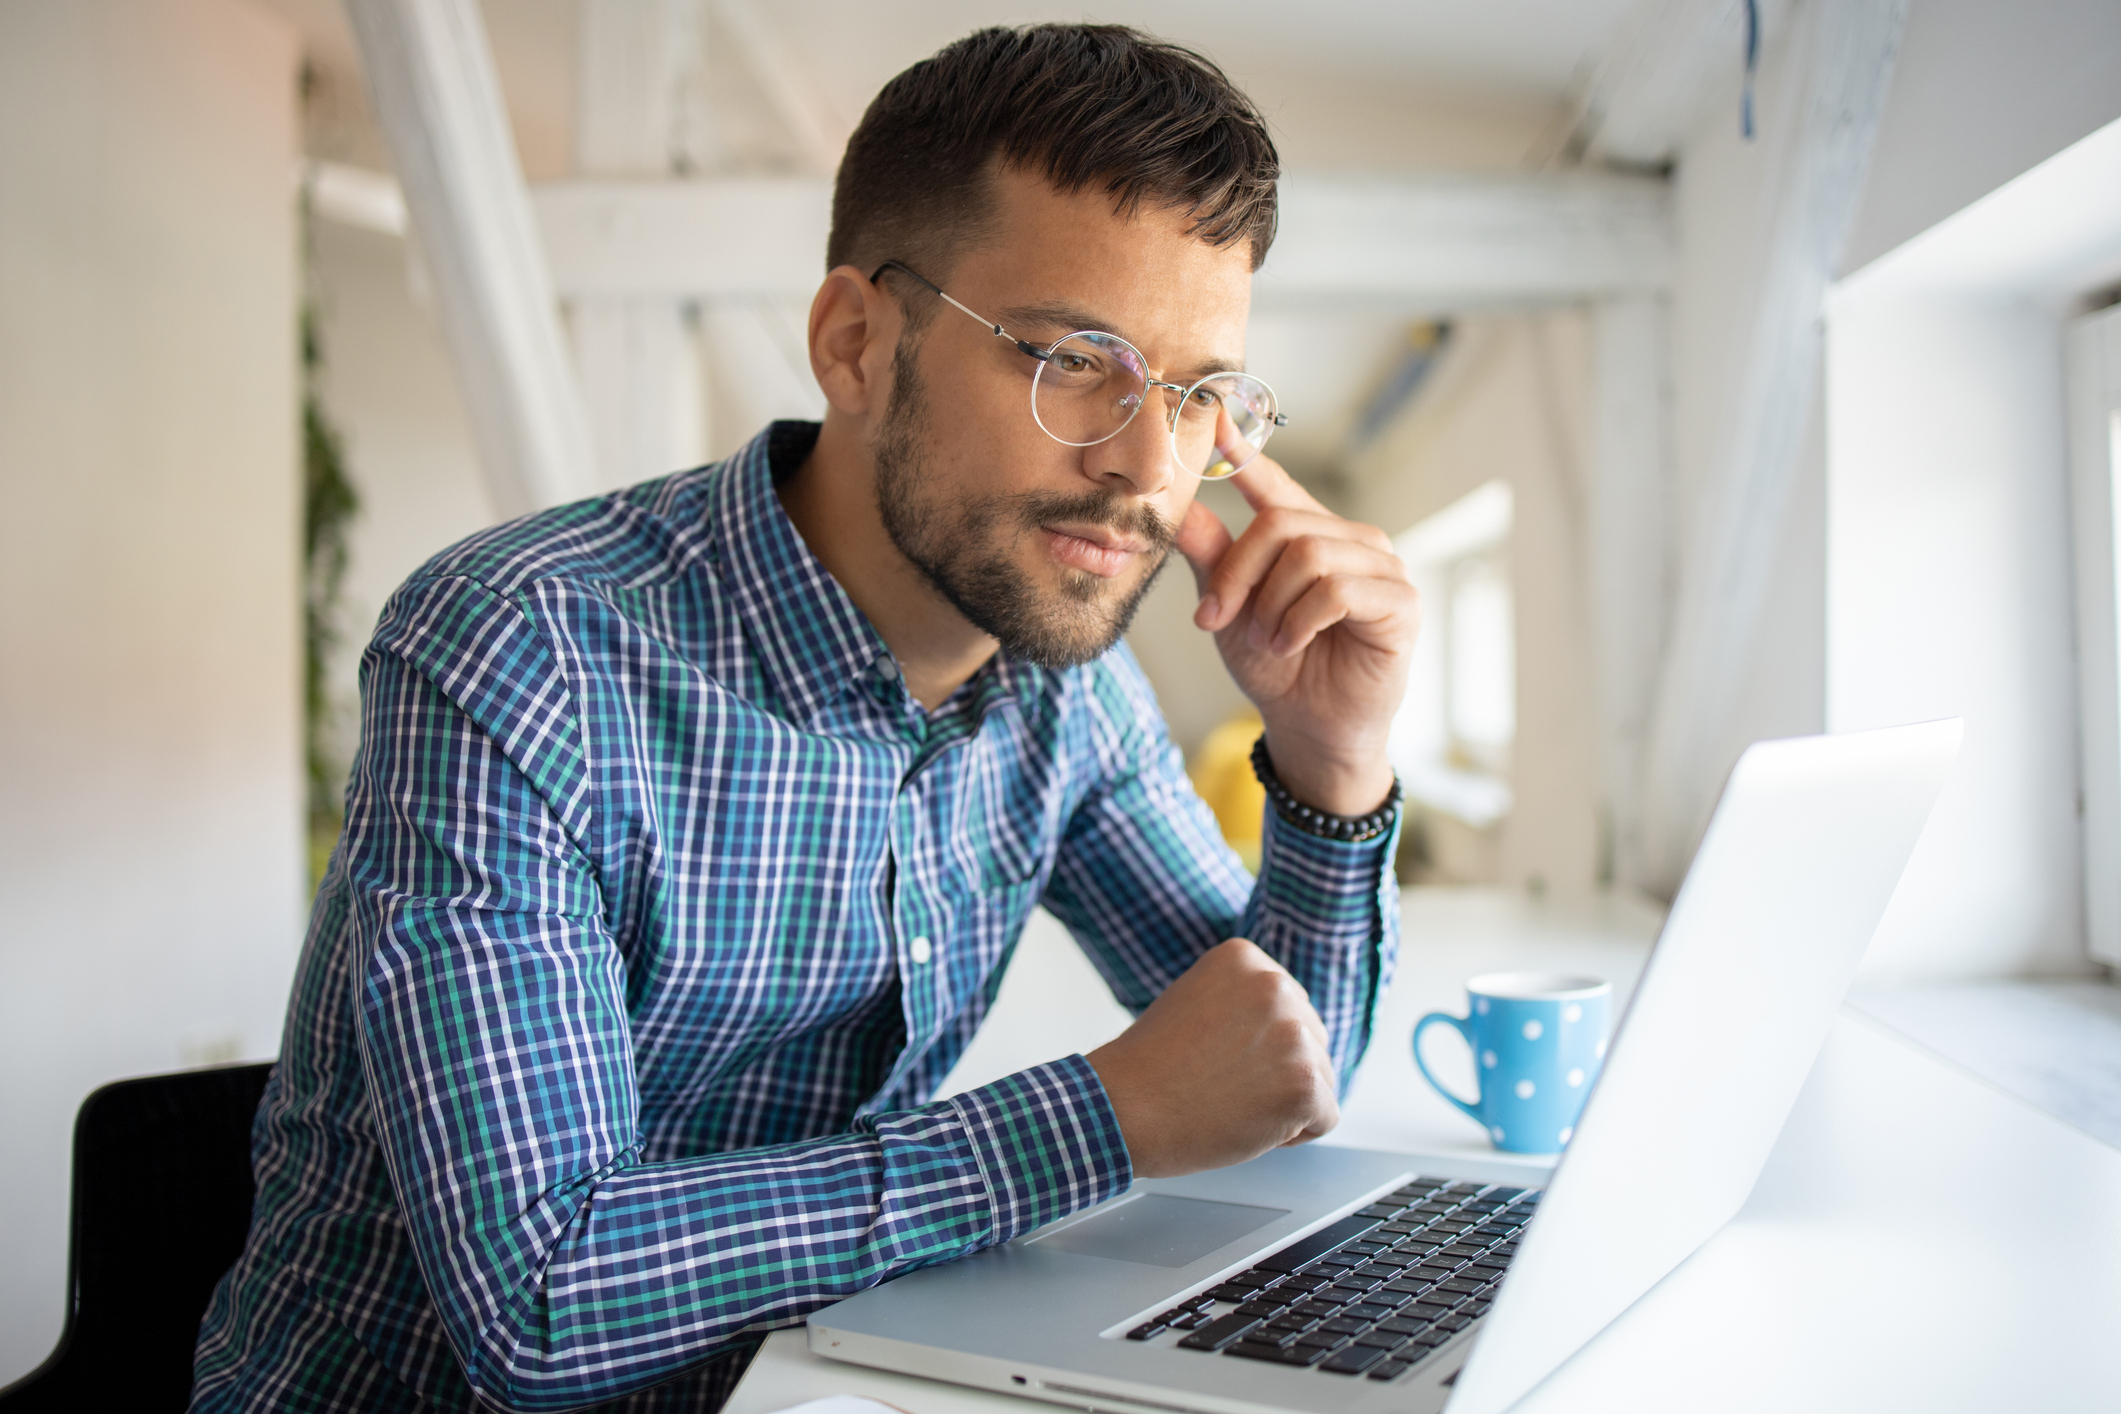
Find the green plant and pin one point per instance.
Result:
(329, 504)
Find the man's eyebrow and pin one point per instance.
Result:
(1060, 319)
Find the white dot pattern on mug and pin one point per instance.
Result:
(1572, 1013)
(1566, 1133)
(1575, 1078)
(1497, 1132)
(1487, 1058)
(1526, 1089)
(1533, 1030)
(1480, 1004)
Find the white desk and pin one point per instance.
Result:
(1919, 1240)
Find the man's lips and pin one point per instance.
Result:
(1098, 549)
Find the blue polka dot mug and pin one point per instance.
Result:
(1538, 1041)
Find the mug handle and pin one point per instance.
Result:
(1461, 1025)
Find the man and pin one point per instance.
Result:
(692, 826)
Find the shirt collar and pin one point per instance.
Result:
(813, 643)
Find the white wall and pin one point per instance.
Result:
(389, 388)
(1950, 588)
(150, 753)
(1983, 90)
(1950, 595)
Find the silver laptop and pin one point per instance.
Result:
(1174, 1296)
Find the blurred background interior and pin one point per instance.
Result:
(1718, 366)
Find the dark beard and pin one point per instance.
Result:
(958, 549)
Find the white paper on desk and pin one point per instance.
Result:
(842, 1404)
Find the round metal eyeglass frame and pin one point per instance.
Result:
(1275, 418)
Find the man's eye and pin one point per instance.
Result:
(1072, 363)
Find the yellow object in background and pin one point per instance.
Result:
(1222, 773)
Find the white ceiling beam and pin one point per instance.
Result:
(820, 133)
(439, 103)
(1666, 62)
(1431, 242)
(698, 239)
(1446, 242)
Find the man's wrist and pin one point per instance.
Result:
(1332, 782)
(1333, 825)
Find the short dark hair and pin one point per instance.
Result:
(1080, 105)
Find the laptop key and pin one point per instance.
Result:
(1352, 1361)
(1404, 1324)
(1147, 1330)
(1321, 1341)
(1462, 1286)
(1449, 1323)
(1219, 1332)
(1388, 1369)
(1382, 1340)
(1232, 1291)
(1265, 1310)
(1279, 1355)
(1301, 1253)
(1382, 1210)
(1345, 1325)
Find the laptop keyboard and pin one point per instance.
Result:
(1373, 1294)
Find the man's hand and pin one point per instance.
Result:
(1228, 1063)
(1316, 619)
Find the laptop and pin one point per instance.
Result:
(1326, 1279)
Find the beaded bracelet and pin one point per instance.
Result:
(1353, 829)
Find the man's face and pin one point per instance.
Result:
(1047, 547)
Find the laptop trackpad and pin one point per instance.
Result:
(1161, 1231)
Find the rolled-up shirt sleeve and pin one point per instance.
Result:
(1146, 883)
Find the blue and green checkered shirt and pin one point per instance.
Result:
(661, 911)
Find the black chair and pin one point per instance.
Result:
(162, 1195)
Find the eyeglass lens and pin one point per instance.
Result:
(1091, 385)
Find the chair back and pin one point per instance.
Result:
(161, 1205)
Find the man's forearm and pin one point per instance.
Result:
(652, 1268)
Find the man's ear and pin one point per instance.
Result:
(853, 328)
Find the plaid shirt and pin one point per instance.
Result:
(661, 911)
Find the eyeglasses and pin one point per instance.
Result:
(1089, 385)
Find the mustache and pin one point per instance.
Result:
(1039, 509)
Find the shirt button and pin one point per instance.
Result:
(921, 952)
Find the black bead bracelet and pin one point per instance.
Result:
(1353, 829)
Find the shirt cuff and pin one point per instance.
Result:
(1047, 1143)
(1334, 885)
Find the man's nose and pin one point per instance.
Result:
(1137, 460)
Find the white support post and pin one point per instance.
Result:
(439, 103)
(1628, 549)
(642, 114)
(1726, 561)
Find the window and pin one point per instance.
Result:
(1451, 741)
(2094, 356)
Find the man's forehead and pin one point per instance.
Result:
(1071, 259)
